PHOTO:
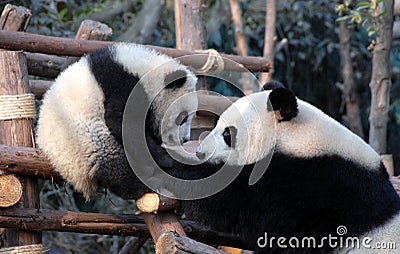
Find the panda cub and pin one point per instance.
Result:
(321, 178)
(80, 122)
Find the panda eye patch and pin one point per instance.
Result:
(182, 118)
(229, 136)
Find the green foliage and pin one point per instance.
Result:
(59, 17)
(361, 13)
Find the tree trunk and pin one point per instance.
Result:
(380, 81)
(348, 89)
(396, 7)
(269, 39)
(142, 27)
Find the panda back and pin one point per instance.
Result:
(72, 110)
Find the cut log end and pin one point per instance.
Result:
(10, 190)
(148, 203)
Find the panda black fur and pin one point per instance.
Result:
(80, 122)
(321, 176)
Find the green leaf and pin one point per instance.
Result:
(381, 14)
(63, 12)
(363, 4)
(342, 18)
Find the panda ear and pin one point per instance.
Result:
(271, 85)
(175, 79)
(283, 99)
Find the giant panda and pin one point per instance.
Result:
(321, 178)
(80, 121)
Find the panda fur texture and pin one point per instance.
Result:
(321, 176)
(80, 122)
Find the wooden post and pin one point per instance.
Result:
(269, 39)
(161, 223)
(15, 18)
(190, 28)
(241, 45)
(90, 30)
(18, 132)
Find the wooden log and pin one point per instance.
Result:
(43, 65)
(189, 25)
(108, 224)
(18, 132)
(173, 243)
(190, 30)
(67, 221)
(10, 190)
(161, 223)
(395, 180)
(387, 160)
(241, 45)
(90, 30)
(70, 47)
(26, 161)
(209, 105)
(39, 87)
(269, 39)
(26, 249)
(154, 203)
(15, 18)
(32, 162)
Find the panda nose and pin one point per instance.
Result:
(200, 155)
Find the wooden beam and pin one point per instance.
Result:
(43, 65)
(26, 161)
(71, 47)
(107, 224)
(161, 223)
(209, 105)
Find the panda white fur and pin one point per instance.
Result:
(79, 127)
(321, 176)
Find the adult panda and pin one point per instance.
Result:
(320, 179)
(80, 122)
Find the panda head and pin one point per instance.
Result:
(247, 131)
(169, 87)
(275, 121)
(178, 114)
